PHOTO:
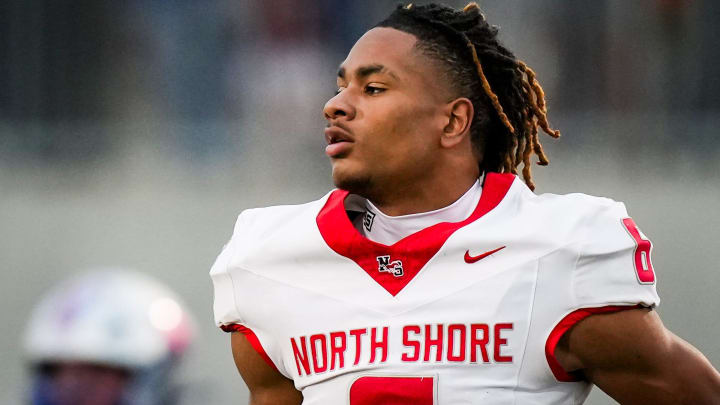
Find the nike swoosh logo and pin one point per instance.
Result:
(473, 259)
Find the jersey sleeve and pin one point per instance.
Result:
(613, 273)
(228, 315)
(224, 273)
(224, 307)
(614, 266)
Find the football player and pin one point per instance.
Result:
(107, 337)
(433, 274)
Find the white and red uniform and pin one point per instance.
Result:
(457, 313)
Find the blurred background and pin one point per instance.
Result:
(133, 132)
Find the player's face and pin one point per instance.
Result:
(384, 124)
(87, 384)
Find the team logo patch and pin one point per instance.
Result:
(386, 266)
(368, 220)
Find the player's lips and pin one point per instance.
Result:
(338, 139)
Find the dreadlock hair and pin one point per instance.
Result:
(508, 101)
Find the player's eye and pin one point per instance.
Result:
(338, 91)
(373, 90)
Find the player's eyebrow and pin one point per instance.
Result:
(365, 71)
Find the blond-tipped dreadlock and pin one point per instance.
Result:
(509, 102)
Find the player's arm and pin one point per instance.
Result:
(633, 358)
(267, 386)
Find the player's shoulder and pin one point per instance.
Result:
(261, 221)
(572, 217)
(577, 201)
(259, 235)
(581, 207)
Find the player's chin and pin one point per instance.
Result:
(347, 177)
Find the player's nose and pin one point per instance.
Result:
(337, 107)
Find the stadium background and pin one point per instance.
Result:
(133, 132)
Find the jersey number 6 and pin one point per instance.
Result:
(391, 390)
(643, 247)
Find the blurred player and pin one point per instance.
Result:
(434, 275)
(110, 337)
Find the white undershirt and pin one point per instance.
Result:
(385, 229)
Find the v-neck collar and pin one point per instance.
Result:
(394, 266)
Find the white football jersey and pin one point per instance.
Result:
(457, 313)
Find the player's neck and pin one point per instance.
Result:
(417, 197)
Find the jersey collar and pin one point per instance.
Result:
(394, 266)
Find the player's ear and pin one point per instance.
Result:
(459, 114)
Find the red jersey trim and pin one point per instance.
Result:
(414, 251)
(563, 326)
(252, 339)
